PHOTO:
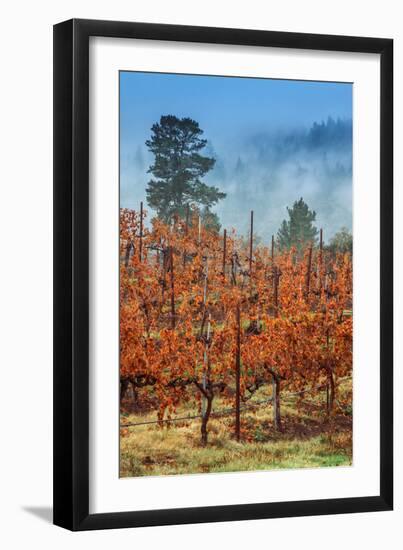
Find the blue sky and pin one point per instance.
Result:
(248, 122)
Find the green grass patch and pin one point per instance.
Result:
(309, 440)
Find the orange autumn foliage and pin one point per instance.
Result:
(178, 313)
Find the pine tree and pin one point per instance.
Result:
(299, 230)
(178, 168)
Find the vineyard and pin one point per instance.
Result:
(230, 349)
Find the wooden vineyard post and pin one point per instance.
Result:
(251, 247)
(165, 261)
(171, 258)
(276, 403)
(205, 285)
(276, 278)
(234, 261)
(141, 231)
(320, 259)
(187, 220)
(206, 359)
(327, 378)
(129, 247)
(275, 283)
(308, 272)
(127, 255)
(158, 255)
(330, 387)
(224, 254)
(207, 390)
(238, 375)
(186, 232)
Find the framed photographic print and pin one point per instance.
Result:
(223, 274)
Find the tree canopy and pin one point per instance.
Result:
(298, 230)
(342, 242)
(178, 169)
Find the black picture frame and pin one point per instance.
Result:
(71, 274)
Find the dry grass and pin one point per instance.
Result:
(309, 440)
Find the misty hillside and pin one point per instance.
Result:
(268, 171)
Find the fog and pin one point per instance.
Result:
(266, 172)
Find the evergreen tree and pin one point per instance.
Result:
(342, 242)
(178, 168)
(210, 220)
(299, 230)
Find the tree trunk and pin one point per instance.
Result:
(331, 392)
(205, 419)
(276, 404)
(124, 384)
(160, 416)
(127, 255)
(134, 394)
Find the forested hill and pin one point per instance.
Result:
(269, 170)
